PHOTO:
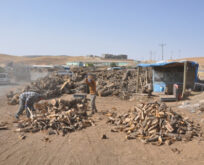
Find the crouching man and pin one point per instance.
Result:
(148, 88)
(27, 100)
(92, 89)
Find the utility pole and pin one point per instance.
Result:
(162, 46)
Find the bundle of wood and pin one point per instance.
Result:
(58, 117)
(155, 123)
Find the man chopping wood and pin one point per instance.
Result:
(26, 102)
(92, 89)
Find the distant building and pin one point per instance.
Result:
(111, 56)
(96, 63)
(75, 64)
(91, 55)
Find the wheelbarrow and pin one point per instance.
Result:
(80, 96)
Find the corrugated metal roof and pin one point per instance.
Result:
(166, 63)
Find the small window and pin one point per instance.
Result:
(2, 76)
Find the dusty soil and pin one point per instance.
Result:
(87, 147)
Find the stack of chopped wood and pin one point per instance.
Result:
(58, 117)
(122, 83)
(51, 86)
(155, 123)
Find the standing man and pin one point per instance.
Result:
(27, 100)
(92, 89)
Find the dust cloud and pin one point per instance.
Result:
(19, 75)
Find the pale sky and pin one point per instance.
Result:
(81, 27)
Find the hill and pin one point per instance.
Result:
(47, 60)
(199, 60)
(59, 60)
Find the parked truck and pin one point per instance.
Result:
(4, 80)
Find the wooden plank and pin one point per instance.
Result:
(146, 76)
(3, 128)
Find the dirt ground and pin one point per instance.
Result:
(87, 147)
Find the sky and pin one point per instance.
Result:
(84, 27)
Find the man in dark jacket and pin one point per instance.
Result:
(27, 100)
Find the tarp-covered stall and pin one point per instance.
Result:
(165, 74)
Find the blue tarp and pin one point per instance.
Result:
(169, 63)
(165, 63)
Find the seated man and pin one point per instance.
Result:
(148, 88)
(27, 100)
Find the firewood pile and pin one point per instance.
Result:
(156, 124)
(121, 83)
(58, 117)
(51, 86)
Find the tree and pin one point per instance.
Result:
(90, 64)
(113, 64)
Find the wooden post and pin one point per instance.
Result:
(138, 74)
(146, 76)
(184, 78)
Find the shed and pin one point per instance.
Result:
(165, 74)
(75, 64)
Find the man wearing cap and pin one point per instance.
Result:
(27, 100)
(92, 89)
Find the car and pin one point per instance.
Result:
(114, 68)
(64, 72)
(4, 80)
